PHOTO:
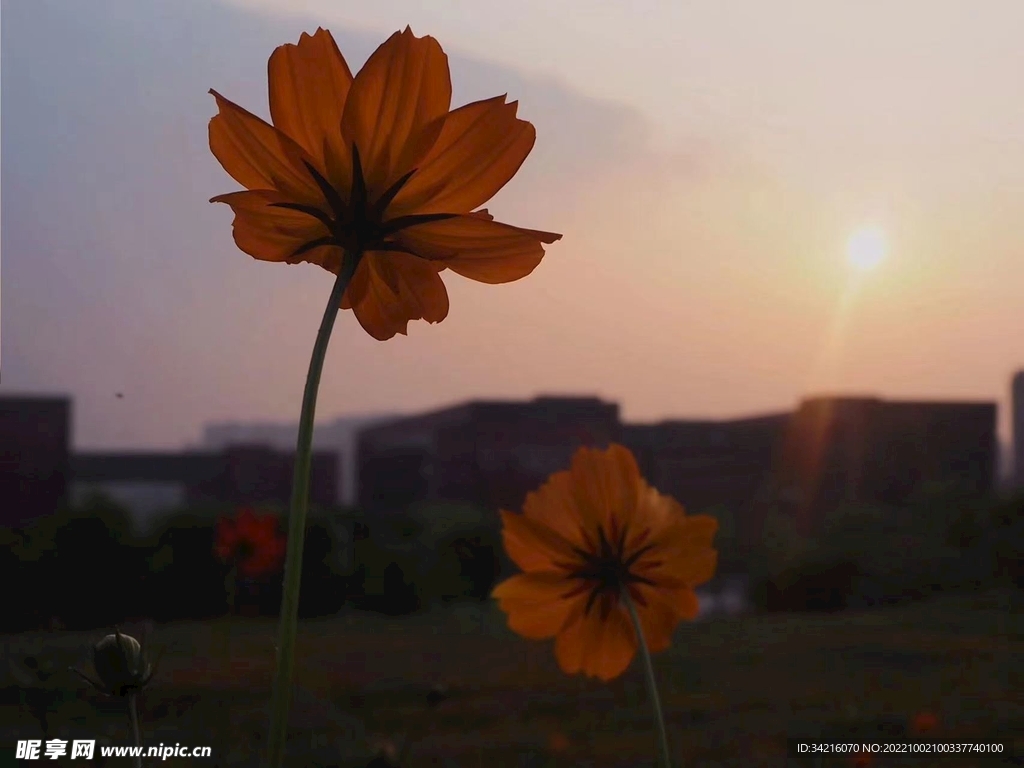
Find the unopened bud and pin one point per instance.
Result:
(436, 694)
(120, 664)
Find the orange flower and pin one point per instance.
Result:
(378, 167)
(583, 537)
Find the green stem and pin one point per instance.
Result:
(297, 523)
(134, 715)
(652, 686)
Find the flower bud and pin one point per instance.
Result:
(437, 694)
(385, 756)
(120, 664)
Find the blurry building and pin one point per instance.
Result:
(241, 475)
(831, 451)
(487, 453)
(337, 436)
(707, 464)
(260, 475)
(864, 450)
(35, 434)
(1017, 407)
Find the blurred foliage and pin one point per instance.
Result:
(88, 569)
(84, 568)
(385, 577)
(326, 566)
(730, 555)
(467, 566)
(863, 555)
(437, 552)
(186, 580)
(440, 520)
(782, 545)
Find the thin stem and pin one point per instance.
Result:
(232, 590)
(403, 753)
(297, 523)
(134, 715)
(652, 686)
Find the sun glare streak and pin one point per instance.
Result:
(823, 372)
(865, 250)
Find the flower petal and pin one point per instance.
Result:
(480, 148)
(478, 248)
(270, 233)
(396, 107)
(532, 545)
(258, 156)
(660, 610)
(607, 484)
(309, 84)
(535, 603)
(655, 513)
(600, 643)
(390, 289)
(555, 506)
(683, 554)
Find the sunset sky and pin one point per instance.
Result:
(706, 162)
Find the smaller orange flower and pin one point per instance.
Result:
(586, 537)
(862, 760)
(252, 542)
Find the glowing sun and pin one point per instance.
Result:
(866, 248)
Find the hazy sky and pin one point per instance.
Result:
(706, 163)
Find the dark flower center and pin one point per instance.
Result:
(606, 569)
(246, 549)
(357, 225)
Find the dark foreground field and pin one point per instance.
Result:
(732, 687)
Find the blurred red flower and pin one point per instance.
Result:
(558, 742)
(252, 542)
(924, 722)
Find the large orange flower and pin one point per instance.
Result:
(585, 536)
(376, 165)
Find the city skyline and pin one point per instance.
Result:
(707, 180)
(491, 453)
(885, 449)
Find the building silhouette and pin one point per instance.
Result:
(35, 434)
(838, 450)
(829, 452)
(337, 436)
(1017, 415)
(717, 467)
(487, 453)
(707, 464)
(240, 475)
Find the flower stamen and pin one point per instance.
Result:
(309, 210)
(606, 571)
(357, 226)
(329, 192)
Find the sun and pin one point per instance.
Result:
(866, 248)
